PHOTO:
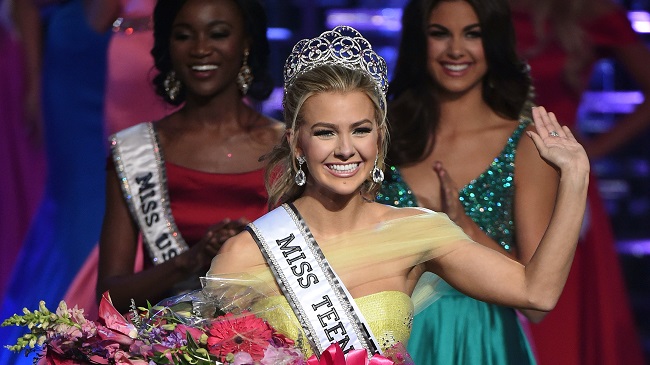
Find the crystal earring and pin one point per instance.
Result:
(172, 85)
(377, 174)
(300, 178)
(245, 75)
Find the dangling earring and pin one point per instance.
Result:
(245, 75)
(377, 174)
(172, 85)
(300, 178)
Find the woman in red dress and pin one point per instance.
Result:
(561, 40)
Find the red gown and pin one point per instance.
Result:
(592, 324)
(198, 200)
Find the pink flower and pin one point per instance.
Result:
(282, 356)
(114, 319)
(243, 358)
(122, 357)
(182, 330)
(109, 335)
(141, 348)
(54, 358)
(232, 334)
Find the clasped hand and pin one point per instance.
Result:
(198, 258)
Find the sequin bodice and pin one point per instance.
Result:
(487, 200)
(389, 315)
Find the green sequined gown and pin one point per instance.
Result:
(457, 329)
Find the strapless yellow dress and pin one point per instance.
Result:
(389, 315)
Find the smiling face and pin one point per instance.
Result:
(339, 138)
(207, 45)
(455, 57)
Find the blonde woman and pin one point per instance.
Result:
(346, 265)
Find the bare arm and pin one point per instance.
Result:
(536, 188)
(117, 254)
(536, 185)
(490, 276)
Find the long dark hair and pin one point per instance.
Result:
(413, 106)
(255, 27)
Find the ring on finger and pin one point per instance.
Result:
(553, 134)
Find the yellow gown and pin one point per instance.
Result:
(408, 241)
(388, 313)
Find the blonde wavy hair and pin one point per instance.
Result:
(281, 162)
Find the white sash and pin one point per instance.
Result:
(324, 307)
(141, 171)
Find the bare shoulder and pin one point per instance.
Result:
(238, 254)
(241, 242)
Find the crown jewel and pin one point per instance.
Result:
(343, 46)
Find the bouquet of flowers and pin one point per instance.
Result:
(216, 325)
(152, 335)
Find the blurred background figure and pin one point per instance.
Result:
(68, 219)
(22, 157)
(458, 146)
(562, 40)
(130, 99)
(209, 55)
(130, 94)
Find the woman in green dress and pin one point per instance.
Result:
(456, 147)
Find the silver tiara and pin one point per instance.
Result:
(343, 46)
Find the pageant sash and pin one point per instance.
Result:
(326, 310)
(141, 171)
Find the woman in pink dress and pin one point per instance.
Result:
(561, 40)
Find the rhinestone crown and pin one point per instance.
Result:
(343, 46)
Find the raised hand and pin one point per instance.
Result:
(556, 144)
(449, 202)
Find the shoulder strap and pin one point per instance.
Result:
(326, 310)
(141, 171)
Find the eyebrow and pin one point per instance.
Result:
(465, 29)
(209, 25)
(334, 126)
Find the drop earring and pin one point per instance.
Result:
(301, 178)
(245, 75)
(172, 85)
(377, 174)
